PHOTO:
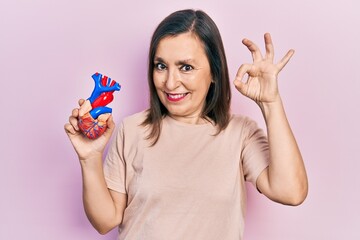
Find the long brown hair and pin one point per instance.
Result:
(217, 105)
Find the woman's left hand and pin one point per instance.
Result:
(261, 85)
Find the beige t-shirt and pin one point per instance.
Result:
(190, 184)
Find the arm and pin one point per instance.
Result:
(284, 180)
(104, 208)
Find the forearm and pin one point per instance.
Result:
(98, 203)
(287, 178)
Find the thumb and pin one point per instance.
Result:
(240, 86)
(110, 127)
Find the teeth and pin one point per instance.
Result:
(176, 96)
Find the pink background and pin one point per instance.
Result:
(50, 49)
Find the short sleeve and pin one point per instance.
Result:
(255, 152)
(114, 164)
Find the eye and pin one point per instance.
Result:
(186, 68)
(160, 66)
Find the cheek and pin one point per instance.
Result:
(199, 83)
(158, 80)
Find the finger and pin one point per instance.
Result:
(110, 123)
(255, 51)
(238, 82)
(73, 119)
(240, 86)
(85, 107)
(243, 69)
(269, 47)
(69, 129)
(110, 127)
(74, 122)
(285, 59)
(81, 102)
(75, 112)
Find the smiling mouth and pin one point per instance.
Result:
(175, 97)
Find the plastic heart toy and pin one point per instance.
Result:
(93, 114)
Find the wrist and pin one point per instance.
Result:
(269, 108)
(93, 161)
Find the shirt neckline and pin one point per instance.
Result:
(189, 125)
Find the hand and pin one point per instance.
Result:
(261, 85)
(84, 147)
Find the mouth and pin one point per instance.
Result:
(175, 97)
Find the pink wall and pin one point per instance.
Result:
(49, 49)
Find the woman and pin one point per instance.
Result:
(177, 170)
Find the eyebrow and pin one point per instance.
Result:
(180, 62)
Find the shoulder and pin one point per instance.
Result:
(131, 126)
(240, 120)
(135, 119)
(243, 125)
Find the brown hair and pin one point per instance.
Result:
(217, 105)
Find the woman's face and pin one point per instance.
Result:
(182, 76)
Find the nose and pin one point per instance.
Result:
(173, 80)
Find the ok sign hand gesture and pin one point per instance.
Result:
(261, 85)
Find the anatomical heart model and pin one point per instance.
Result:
(93, 114)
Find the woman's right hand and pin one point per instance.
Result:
(87, 148)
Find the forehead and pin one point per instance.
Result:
(182, 46)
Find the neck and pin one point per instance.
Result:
(190, 119)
